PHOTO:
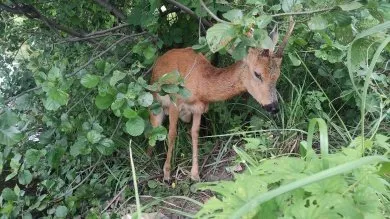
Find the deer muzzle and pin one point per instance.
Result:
(272, 108)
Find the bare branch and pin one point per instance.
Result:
(32, 13)
(109, 7)
(107, 30)
(103, 52)
(189, 11)
(212, 14)
(302, 12)
(76, 39)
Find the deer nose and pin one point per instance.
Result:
(272, 108)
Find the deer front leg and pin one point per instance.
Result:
(194, 135)
(173, 117)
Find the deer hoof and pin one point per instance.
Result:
(167, 180)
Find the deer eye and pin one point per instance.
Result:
(258, 75)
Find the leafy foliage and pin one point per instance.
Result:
(358, 192)
(74, 88)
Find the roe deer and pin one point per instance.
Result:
(257, 74)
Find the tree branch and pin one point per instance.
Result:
(107, 30)
(32, 13)
(189, 11)
(103, 52)
(212, 14)
(109, 7)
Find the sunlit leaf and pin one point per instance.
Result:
(90, 81)
(135, 126)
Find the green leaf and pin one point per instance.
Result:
(9, 132)
(220, 35)
(54, 74)
(294, 60)
(184, 92)
(55, 155)
(103, 102)
(117, 76)
(93, 136)
(106, 146)
(263, 21)
(171, 77)
(233, 15)
(252, 143)
(240, 51)
(170, 88)
(288, 5)
(152, 184)
(61, 211)
(351, 6)
(149, 52)
(344, 168)
(90, 81)
(129, 113)
(155, 108)
(157, 134)
(318, 23)
(135, 126)
(342, 18)
(145, 99)
(80, 147)
(32, 157)
(24, 177)
(55, 99)
(262, 39)
(9, 195)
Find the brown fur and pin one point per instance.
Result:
(210, 84)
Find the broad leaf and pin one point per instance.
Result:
(61, 211)
(135, 126)
(90, 81)
(351, 6)
(9, 195)
(24, 177)
(116, 76)
(170, 88)
(318, 23)
(103, 102)
(233, 15)
(9, 132)
(220, 35)
(145, 99)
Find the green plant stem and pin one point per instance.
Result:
(255, 131)
(303, 12)
(324, 146)
(344, 168)
(135, 182)
(322, 90)
(367, 81)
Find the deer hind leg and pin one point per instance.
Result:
(194, 136)
(155, 120)
(173, 119)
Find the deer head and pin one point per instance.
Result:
(263, 70)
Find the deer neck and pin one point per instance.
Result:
(225, 83)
